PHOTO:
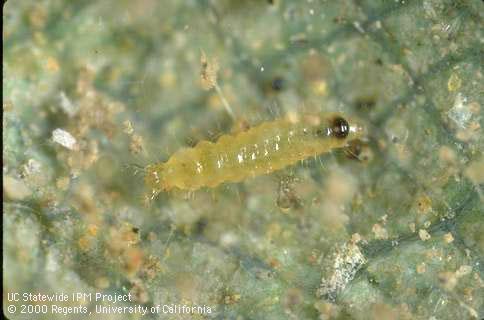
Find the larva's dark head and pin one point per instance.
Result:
(347, 128)
(340, 127)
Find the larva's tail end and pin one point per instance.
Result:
(154, 182)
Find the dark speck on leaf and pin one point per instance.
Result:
(200, 226)
(278, 84)
(365, 103)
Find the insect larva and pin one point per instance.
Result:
(263, 149)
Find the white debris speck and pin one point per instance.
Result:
(379, 231)
(460, 113)
(66, 104)
(344, 265)
(448, 238)
(32, 167)
(228, 239)
(64, 138)
(128, 127)
(463, 271)
(358, 27)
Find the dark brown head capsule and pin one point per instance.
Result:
(340, 128)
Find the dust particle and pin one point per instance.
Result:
(423, 234)
(64, 138)
(447, 155)
(136, 145)
(454, 82)
(92, 229)
(424, 204)
(460, 113)
(52, 65)
(463, 271)
(412, 226)
(320, 88)
(85, 243)
(32, 167)
(448, 280)
(343, 266)
(128, 127)
(421, 268)
(208, 73)
(355, 238)
(379, 231)
(231, 299)
(66, 105)
(448, 238)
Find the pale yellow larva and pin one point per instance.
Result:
(260, 150)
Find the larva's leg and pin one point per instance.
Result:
(321, 162)
(303, 162)
(241, 194)
(136, 168)
(187, 195)
(240, 125)
(148, 198)
(214, 196)
(154, 180)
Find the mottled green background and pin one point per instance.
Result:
(392, 228)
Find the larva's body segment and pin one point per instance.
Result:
(260, 150)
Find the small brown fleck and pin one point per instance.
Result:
(424, 204)
(365, 103)
(421, 268)
(454, 82)
(448, 238)
(379, 231)
(231, 299)
(137, 145)
(208, 73)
